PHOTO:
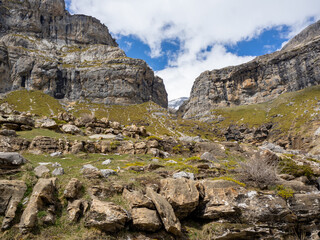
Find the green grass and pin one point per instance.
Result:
(48, 133)
(35, 102)
(291, 112)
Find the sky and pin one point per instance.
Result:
(179, 39)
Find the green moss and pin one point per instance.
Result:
(42, 214)
(288, 166)
(284, 192)
(231, 180)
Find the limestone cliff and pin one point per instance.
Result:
(295, 67)
(43, 47)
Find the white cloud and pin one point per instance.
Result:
(197, 24)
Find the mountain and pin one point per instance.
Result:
(176, 103)
(295, 67)
(44, 47)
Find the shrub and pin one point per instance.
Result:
(284, 192)
(290, 167)
(259, 171)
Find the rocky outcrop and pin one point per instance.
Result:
(43, 47)
(293, 68)
(10, 162)
(43, 198)
(11, 193)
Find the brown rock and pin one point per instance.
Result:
(106, 216)
(11, 193)
(182, 194)
(166, 213)
(42, 197)
(137, 200)
(144, 219)
(76, 209)
(73, 189)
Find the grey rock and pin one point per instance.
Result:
(107, 172)
(207, 156)
(264, 78)
(172, 161)
(89, 166)
(41, 170)
(58, 171)
(183, 175)
(56, 165)
(56, 154)
(8, 133)
(49, 124)
(69, 57)
(106, 162)
(71, 129)
(11, 160)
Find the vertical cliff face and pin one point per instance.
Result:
(72, 57)
(295, 67)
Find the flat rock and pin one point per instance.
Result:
(49, 124)
(106, 216)
(183, 175)
(166, 212)
(58, 171)
(182, 194)
(144, 219)
(107, 172)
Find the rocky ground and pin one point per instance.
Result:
(72, 176)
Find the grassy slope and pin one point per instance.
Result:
(153, 117)
(290, 112)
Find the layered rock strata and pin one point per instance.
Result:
(295, 67)
(43, 47)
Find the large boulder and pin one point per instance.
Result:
(182, 194)
(70, 129)
(106, 216)
(219, 199)
(43, 198)
(10, 162)
(136, 199)
(166, 212)
(73, 188)
(145, 219)
(11, 193)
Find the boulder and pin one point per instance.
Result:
(136, 199)
(70, 129)
(106, 216)
(11, 160)
(166, 212)
(144, 219)
(8, 133)
(49, 124)
(45, 145)
(219, 199)
(58, 171)
(182, 194)
(42, 198)
(72, 189)
(41, 170)
(107, 172)
(11, 193)
(76, 209)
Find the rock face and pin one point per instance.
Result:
(43, 47)
(293, 68)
